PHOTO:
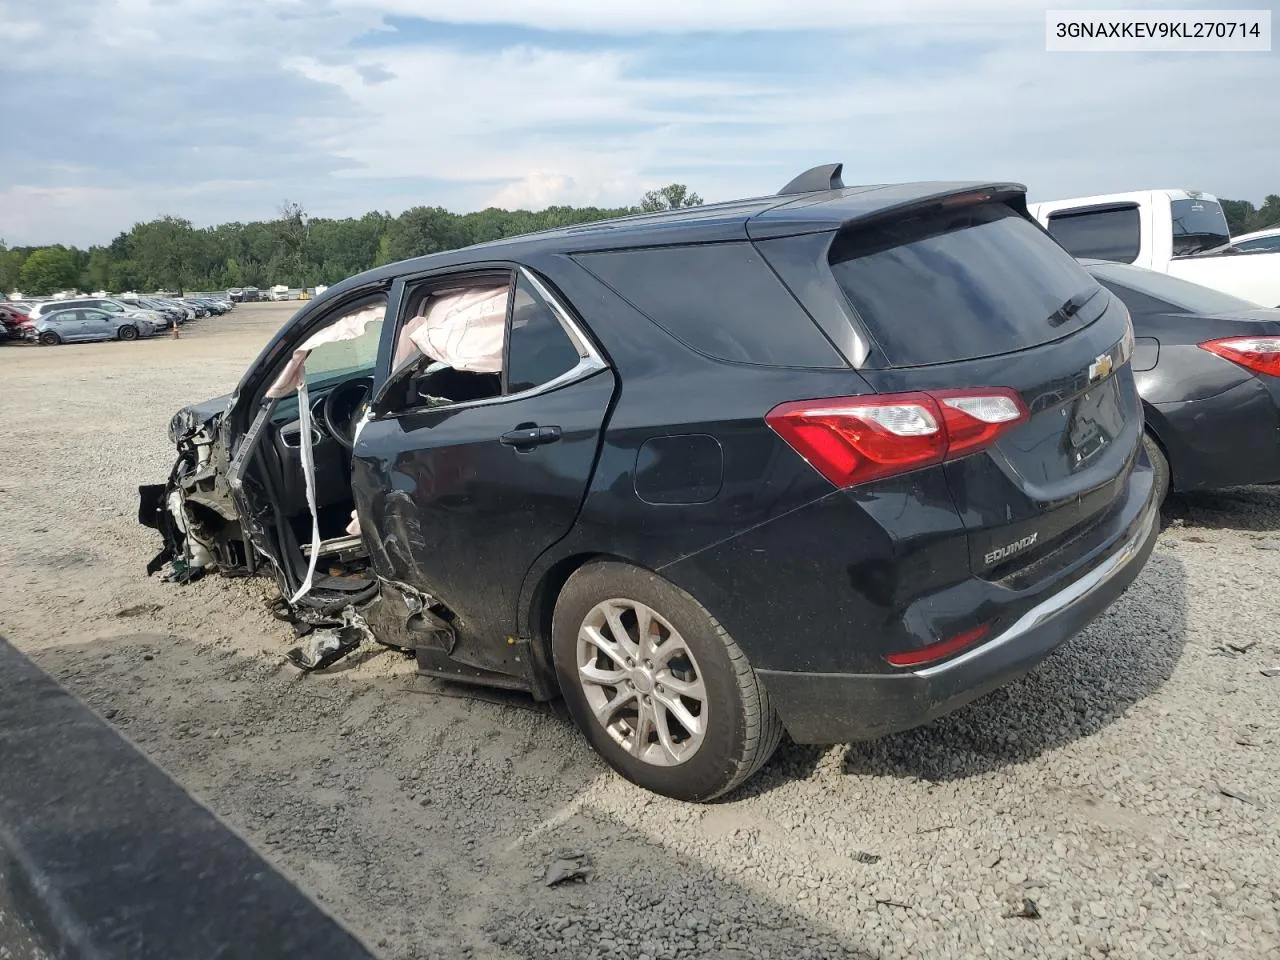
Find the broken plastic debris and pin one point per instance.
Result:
(576, 870)
(1238, 795)
(139, 610)
(866, 857)
(325, 647)
(1026, 909)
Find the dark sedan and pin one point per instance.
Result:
(1208, 370)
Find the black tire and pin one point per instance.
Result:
(742, 729)
(1160, 463)
(50, 339)
(128, 333)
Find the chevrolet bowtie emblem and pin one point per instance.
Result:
(1100, 367)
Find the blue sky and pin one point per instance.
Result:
(117, 111)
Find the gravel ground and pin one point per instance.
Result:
(1128, 789)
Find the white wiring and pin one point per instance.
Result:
(309, 472)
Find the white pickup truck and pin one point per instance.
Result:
(1179, 232)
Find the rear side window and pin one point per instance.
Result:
(722, 300)
(1198, 225)
(971, 283)
(1111, 234)
(538, 349)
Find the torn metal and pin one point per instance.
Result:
(233, 504)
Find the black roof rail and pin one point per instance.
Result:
(825, 177)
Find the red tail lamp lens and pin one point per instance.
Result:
(941, 650)
(852, 440)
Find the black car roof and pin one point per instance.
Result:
(758, 218)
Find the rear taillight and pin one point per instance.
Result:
(851, 440)
(940, 650)
(1259, 354)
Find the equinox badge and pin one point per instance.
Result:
(1008, 550)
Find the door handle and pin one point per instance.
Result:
(528, 436)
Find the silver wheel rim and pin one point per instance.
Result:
(642, 683)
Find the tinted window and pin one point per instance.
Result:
(720, 299)
(1262, 243)
(1198, 225)
(1113, 234)
(972, 283)
(1179, 294)
(538, 349)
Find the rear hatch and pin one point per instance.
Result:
(978, 296)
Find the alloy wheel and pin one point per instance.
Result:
(642, 683)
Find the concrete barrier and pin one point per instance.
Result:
(104, 857)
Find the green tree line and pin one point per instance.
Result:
(302, 251)
(293, 249)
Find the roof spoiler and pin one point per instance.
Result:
(825, 177)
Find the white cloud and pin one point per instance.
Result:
(941, 89)
(585, 128)
(667, 16)
(450, 115)
(39, 215)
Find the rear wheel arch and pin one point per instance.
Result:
(719, 711)
(542, 591)
(1153, 427)
(1164, 467)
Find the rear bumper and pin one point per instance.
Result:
(1226, 440)
(835, 707)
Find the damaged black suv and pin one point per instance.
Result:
(835, 461)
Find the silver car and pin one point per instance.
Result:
(90, 323)
(107, 304)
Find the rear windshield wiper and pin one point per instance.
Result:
(1073, 305)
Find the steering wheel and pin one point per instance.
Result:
(343, 408)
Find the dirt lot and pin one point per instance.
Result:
(423, 814)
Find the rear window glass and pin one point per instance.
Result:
(971, 283)
(1114, 234)
(721, 299)
(1198, 225)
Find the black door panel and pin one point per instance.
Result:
(453, 509)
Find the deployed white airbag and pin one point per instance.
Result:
(466, 330)
(350, 327)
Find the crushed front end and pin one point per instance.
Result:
(194, 510)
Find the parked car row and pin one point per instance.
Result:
(127, 317)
